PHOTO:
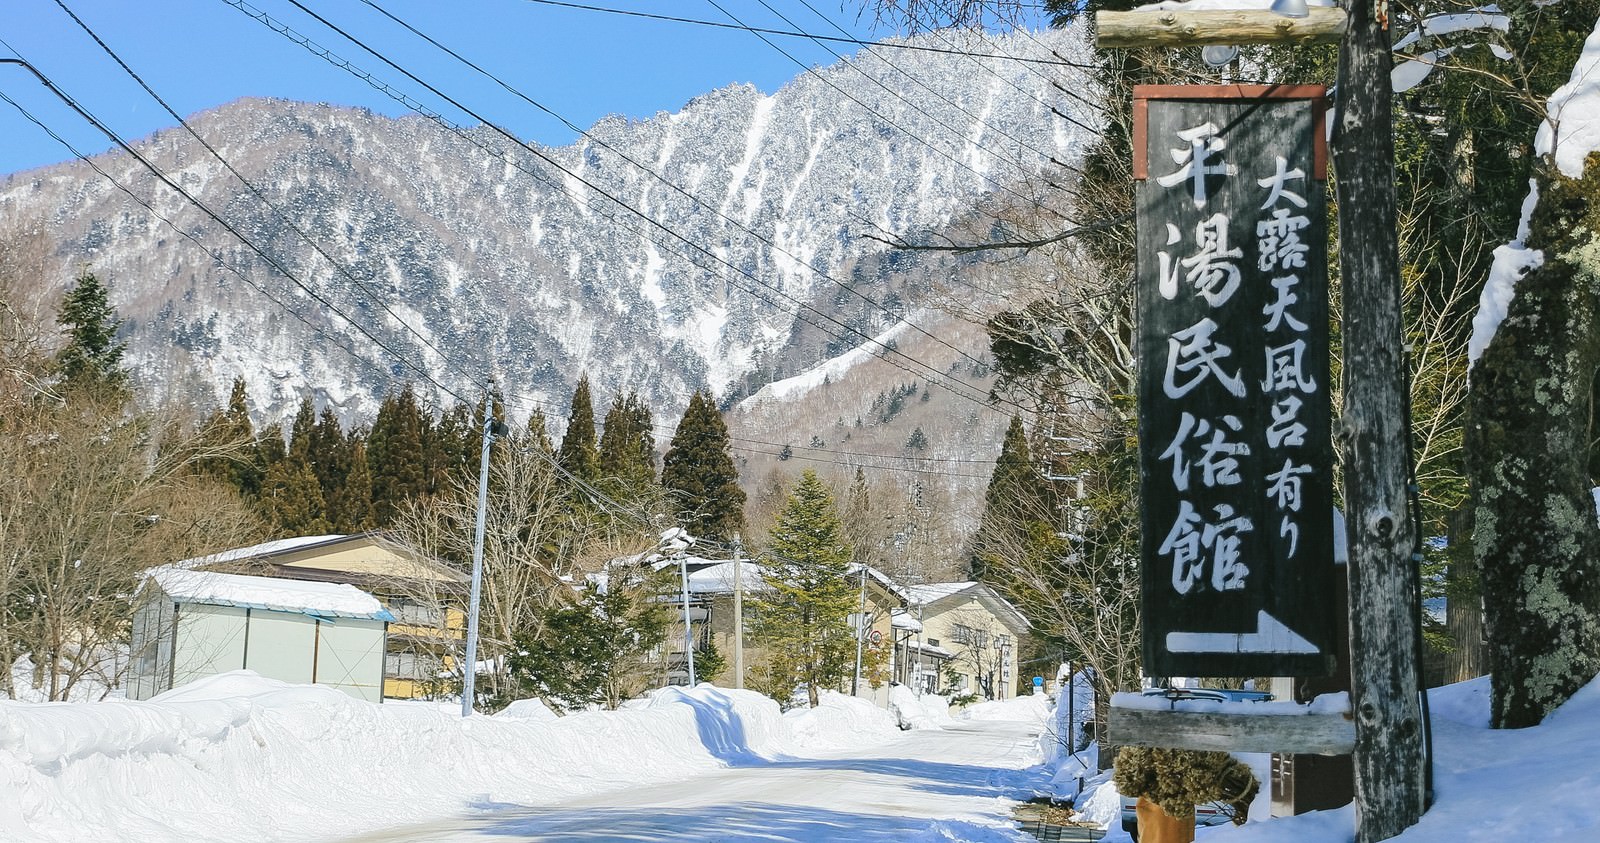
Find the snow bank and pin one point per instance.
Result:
(913, 711)
(1031, 708)
(838, 722)
(239, 757)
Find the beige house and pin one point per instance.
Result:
(424, 596)
(957, 639)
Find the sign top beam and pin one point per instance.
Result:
(1170, 28)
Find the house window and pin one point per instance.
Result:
(933, 642)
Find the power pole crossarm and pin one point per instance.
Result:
(1195, 29)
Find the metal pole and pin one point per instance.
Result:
(861, 633)
(469, 670)
(688, 629)
(738, 612)
(1072, 714)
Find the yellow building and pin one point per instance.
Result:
(424, 595)
(958, 639)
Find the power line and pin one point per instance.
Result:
(260, 16)
(670, 184)
(206, 209)
(216, 258)
(885, 118)
(254, 191)
(795, 34)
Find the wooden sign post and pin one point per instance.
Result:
(1383, 572)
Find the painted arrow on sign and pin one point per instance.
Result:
(1271, 636)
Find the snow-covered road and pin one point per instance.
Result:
(955, 784)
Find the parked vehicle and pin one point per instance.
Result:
(1210, 813)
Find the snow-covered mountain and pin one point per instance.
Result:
(469, 256)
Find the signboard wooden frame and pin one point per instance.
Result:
(1234, 397)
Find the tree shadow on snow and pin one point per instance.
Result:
(746, 822)
(937, 777)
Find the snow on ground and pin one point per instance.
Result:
(1029, 708)
(240, 757)
(1490, 785)
(918, 711)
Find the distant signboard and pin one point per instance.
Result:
(1234, 411)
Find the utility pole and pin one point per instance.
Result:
(688, 628)
(738, 611)
(469, 671)
(861, 630)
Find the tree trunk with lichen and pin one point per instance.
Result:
(1529, 440)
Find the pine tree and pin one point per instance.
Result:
(579, 454)
(699, 473)
(291, 498)
(1013, 500)
(302, 430)
(329, 453)
(588, 651)
(395, 456)
(351, 503)
(802, 622)
(918, 441)
(229, 429)
(859, 521)
(92, 357)
(627, 457)
(270, 450)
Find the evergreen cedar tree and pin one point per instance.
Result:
(1008, 503)
(627, 457)
(579, 455)
(803, 621)
(698, 473)
(92, 357)
(395, 455)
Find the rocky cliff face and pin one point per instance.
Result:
(465, 256)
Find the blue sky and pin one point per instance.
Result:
(198, 54)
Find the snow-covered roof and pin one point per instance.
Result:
(931, 649)
(901, 619)
(322, 599)
(935, 591)
(884, 580)
(930, 593)
(717, 578)
(255, 551)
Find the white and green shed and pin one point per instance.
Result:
(191, 624)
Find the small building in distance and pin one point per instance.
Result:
(190, 624)
(426, 597)
(712, 584)
(960, 638)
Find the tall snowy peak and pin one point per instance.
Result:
(688, 249)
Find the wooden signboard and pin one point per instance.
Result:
(1234, 410)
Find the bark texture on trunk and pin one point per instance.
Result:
(1384, 579)
(1529, 439)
